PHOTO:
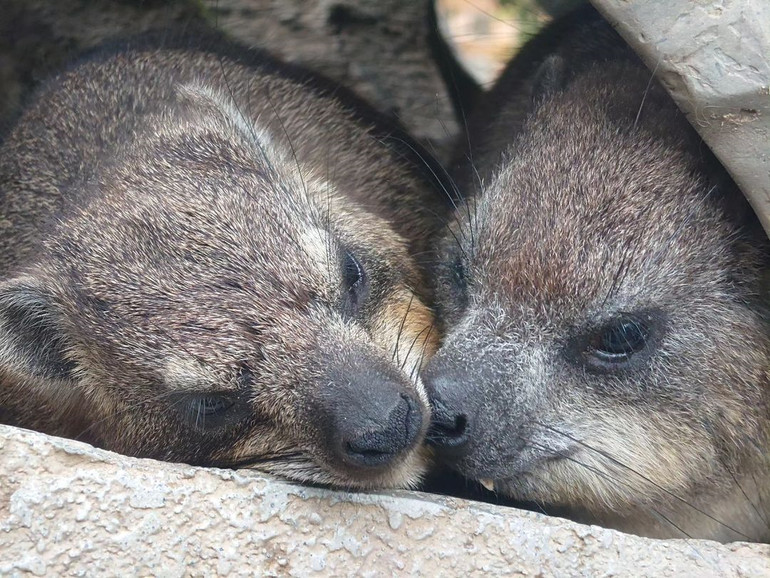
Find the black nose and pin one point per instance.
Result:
(452, 408)
(376, 442)
(448, 429)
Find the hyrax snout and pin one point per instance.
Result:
(603, 295)
(206, 257)
(372, 429)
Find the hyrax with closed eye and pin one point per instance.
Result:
(206, 258)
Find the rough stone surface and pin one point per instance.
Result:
(714, 58)
(67, 509)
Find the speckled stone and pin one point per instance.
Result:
(67, 509)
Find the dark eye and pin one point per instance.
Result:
(355, 282)
(621, 339)
(210, 405)
(209, 411)
(354, 273)
(458, 270)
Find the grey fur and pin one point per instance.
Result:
(595, 202)
(176, 216)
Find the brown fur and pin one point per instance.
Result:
(176, 222)
(597, 205)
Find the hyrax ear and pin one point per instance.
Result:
(33, 345)
(206, 107)
(550, 77)
(209, 103)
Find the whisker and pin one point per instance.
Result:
(256, 460)
(611, 478)
(759, 514)
(418, 368)
(400, 330)
(436, 177)
(411, 346)
(642, 476)
(646, 91)
(270, 166)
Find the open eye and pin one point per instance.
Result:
(619, 340)
(355, 282)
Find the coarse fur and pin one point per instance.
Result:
(603, 297)
(206, 258)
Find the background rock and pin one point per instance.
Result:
(380, 48)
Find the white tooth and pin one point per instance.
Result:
(488, 484)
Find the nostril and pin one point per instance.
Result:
(362, 448)
(451, 433)
(448, 431)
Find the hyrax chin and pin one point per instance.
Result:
(607, 344)
(206, 258)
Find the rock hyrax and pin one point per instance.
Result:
(607, 342)
(206, 258)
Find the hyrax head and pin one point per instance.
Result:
(205, 300)
(606, 349)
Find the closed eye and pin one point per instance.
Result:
(212, 410)
(210, 405)
(355, 284)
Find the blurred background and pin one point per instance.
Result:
(383, 49)
(485, 34)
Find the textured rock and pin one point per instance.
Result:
(68, 509)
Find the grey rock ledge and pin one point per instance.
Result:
(69, 509)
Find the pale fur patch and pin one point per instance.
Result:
(231, 113)
(302, 181)
(404, 329)
(321, 247)
(184, 374)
